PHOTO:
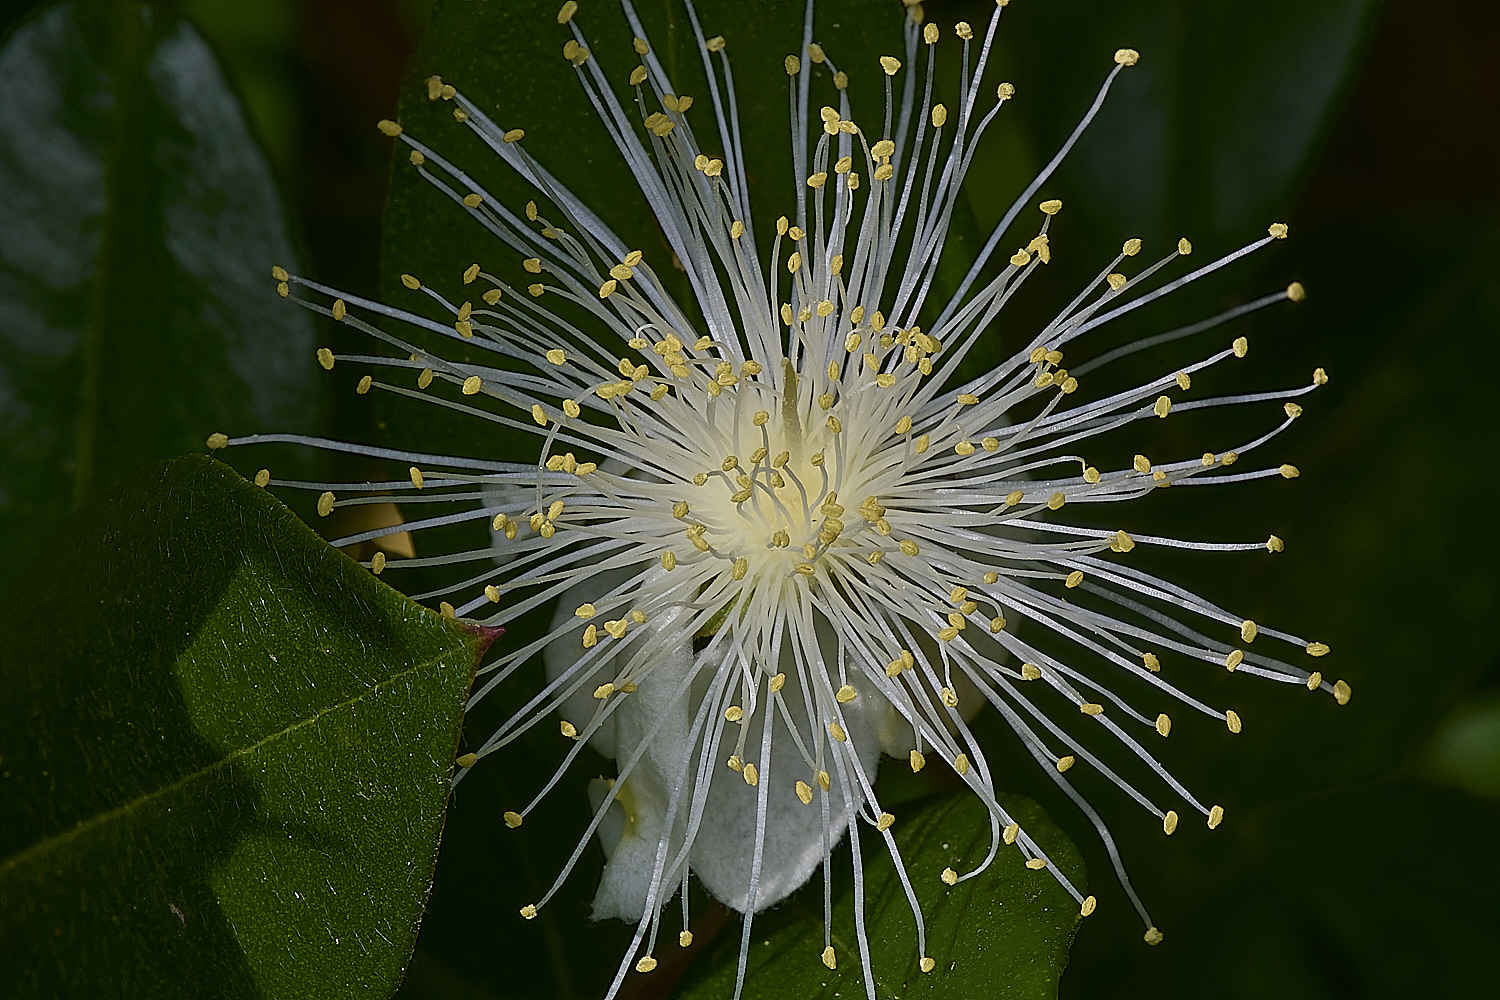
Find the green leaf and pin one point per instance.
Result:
(137, 232)
(1206, 136)
(224, 753)
(1002, 934)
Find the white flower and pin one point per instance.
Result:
(789, 539)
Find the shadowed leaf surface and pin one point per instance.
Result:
(224, 753)
(137, 231)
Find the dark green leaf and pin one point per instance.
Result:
(137, 230)
(224, 753)
(1207, 135)
(1002, 934)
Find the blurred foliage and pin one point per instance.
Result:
(1234, 118)
(225, 752)
(137, 233)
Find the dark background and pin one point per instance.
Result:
(1359, 857)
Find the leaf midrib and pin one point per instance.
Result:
(43, 847)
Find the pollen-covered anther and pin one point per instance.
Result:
(1153, 936)
(1164, 724)
(1091, 708)
(884, 821)
(1277, 230)
(1063, 763)
(1234, 659)
(528, 912)
(1289, 472)
(1342, 692)
(1036, 864)
(646, 964)
(829, 959)
(751, 775)
(1215, 817)
(1127, 57)
(890, 64)
(1232, 720)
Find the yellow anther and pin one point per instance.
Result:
(640, 46)
(1296, 292)
(908, 547)
(1164, 724)
(1090, 904)
(939, 115)
(1241, 347)
(1234, 659)
(472, 385)
(528, 912)
(492, 296)
(1317, 649)
(734, 713)
(1162, 407)
(1342, 692)
(1275, 544)
(388, 127)
(1091, 708)
(1020, 258)
(1011, 832)
(416, 477)
(1116, 281)
(921, 445)
(890, 64)
(1074, 578)
(837, 732)
(1152, 936)
(1063, 763)
(1277, 230)
(1232, 720)
(818, 179)
(1249, 630)
(829, 959)
(1215, 817)
(1127, 57)
(804, 792)
(1037, 864)
(325, 358)
(646, 964)
(325, 504)
(1153, 664)
(735, 764)
(1056, 500)
(793, 65)
(473, 200)
(512, 819)
(884, 821)
(1289, 472)
(950, 697)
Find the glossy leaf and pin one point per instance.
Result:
(137, 231)
(1002, 934)
(224, 753)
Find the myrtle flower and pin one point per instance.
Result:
(787, 537)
